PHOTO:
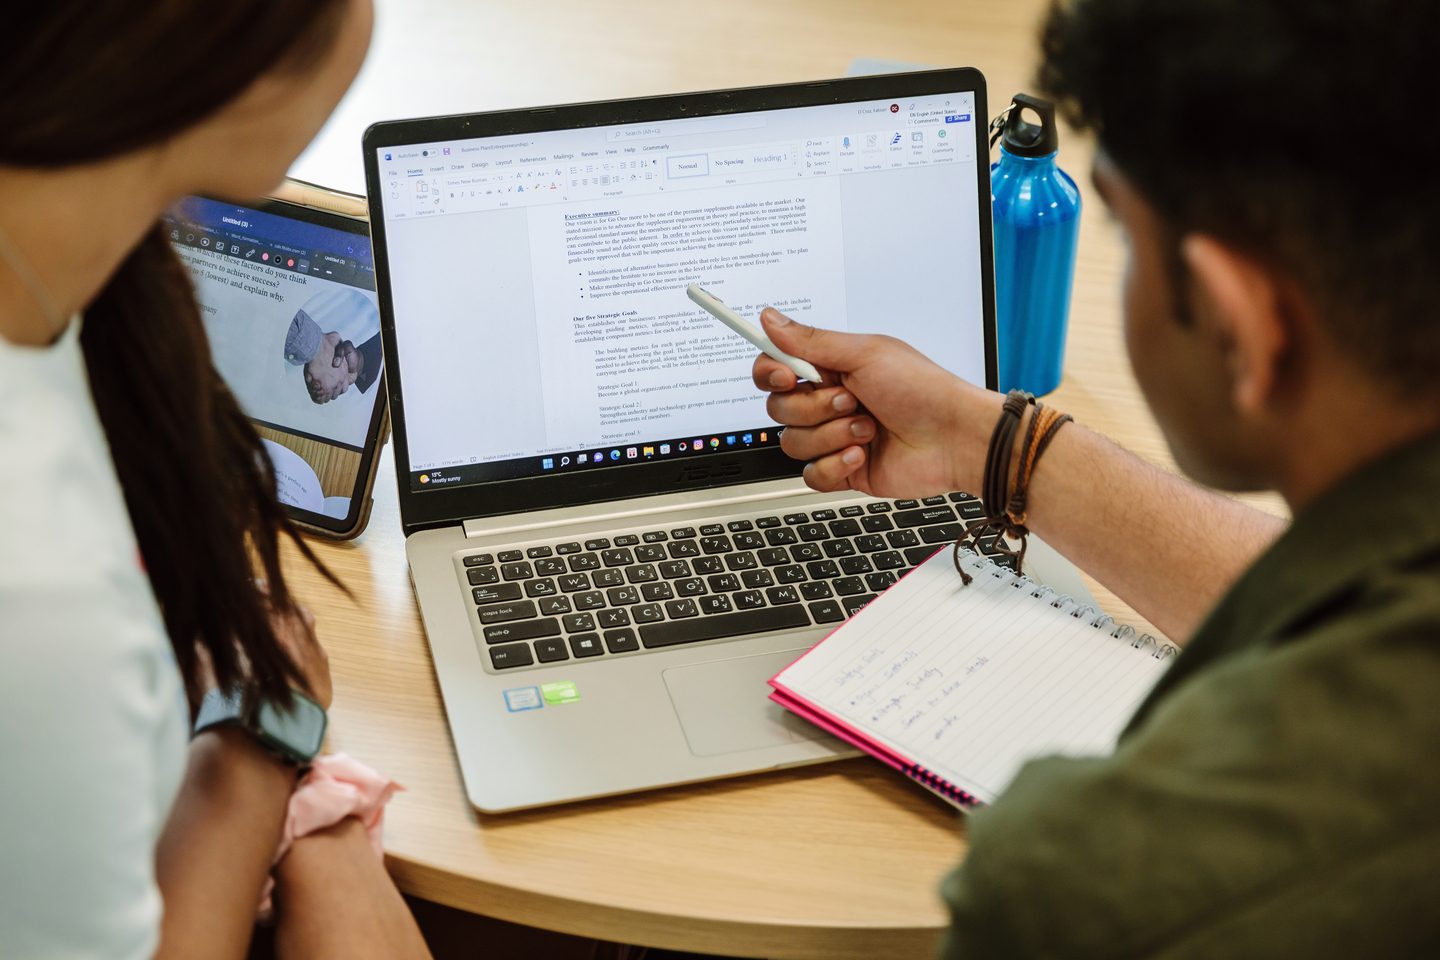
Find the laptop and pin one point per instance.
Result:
(610, 552)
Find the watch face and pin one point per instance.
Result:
(298, 731)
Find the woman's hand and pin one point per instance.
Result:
(887, 421)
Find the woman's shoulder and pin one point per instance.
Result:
(72, 582)
(60, 501)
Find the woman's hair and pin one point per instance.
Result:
(88, 80)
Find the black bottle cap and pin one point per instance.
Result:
(1024, 139)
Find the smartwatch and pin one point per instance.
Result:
(294, 734)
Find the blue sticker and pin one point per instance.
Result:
(523, 698)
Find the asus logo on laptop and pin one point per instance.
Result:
(701, 474)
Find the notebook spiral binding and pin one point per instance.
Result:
(1084, 612)
(941, 786)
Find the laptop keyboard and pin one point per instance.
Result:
(659, 587)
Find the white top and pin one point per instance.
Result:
(93, 723)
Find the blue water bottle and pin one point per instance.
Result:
(1037, 221)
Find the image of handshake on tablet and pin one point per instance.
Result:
(332, 362)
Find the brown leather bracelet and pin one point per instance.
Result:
(1043, 427)
(1007, 515)
(1002, 449)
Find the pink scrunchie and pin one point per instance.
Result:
(337, 786)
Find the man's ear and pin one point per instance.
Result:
(1248, 309)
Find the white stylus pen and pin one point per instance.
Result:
(711, 305)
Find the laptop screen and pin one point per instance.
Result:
(538, 280)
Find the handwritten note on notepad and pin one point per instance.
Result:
(968, 682)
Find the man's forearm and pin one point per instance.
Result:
(1165, 546)
(216, 850)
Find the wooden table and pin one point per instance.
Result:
(839, 861)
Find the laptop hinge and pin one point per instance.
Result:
(725, 499)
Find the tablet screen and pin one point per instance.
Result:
(287, 296)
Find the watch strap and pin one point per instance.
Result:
(219, 708)
(222, 708)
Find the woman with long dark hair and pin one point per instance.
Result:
(136, 509)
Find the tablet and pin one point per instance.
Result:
(287, 296)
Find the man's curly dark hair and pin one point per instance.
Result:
(1300, 131)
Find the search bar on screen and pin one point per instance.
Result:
(689, 126)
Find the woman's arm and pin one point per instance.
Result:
(224, 827)
(336, 901)
(215, 853)
(333, 896)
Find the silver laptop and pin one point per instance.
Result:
(610, 552)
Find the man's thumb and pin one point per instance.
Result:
(841, 352)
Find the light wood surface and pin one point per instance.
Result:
(335, 466)
(839, 861)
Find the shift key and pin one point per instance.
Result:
(525, 630)
(500, 612)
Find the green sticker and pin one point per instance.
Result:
(561, 692)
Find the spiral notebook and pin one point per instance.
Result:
(957, 686)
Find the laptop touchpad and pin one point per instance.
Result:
(723, 705)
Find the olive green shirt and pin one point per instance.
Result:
(1278, 793)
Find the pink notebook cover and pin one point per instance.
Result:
(835, 726)
(839, 728)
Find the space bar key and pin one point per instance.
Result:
(668, 634)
